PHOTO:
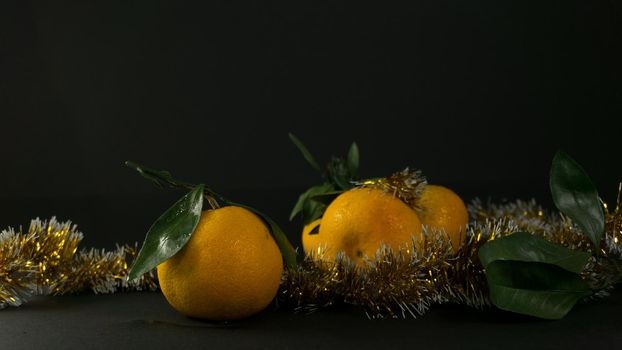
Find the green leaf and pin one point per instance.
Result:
(535, 289)
(576, 196)
(529, 275)
(160, 178)
(522, 246)
(312, 211)
(315, 205)
(304, 197)
(339, 174)
(299, 205)
(327, 197)
(169, 233)
(287, 251)
(305, 152)
(353, 159)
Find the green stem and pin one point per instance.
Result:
(164, 179)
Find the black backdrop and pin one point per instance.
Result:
(478, 94)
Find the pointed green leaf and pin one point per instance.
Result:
(302, 205)
(298, 206)
(287, 251)
(163, 178)
(305, 152)
(312, 211)
(535, 289)
(326, 197)
(522, 246)
(353, 159)
(529, 275)
(576, 196)
(316, 205)
(339, 174)
(169, 233)
(160, 178)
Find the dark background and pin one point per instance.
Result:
(478, 94)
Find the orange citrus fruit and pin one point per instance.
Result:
(442, 209)
(360, 220)
(311, 242)
(229, 269)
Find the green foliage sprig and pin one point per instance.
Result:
(339, 176)
(529, 275)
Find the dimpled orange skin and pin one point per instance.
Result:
(229, 269)
(444, 209)
(310, 243)
(360, 220)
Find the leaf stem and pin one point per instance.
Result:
(165, 179)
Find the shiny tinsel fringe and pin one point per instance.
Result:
(45, 261)
(407, 185)
(406, 285)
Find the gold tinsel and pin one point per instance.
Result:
(45, 261)
(406, 185)
(399, 285)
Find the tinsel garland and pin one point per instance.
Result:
(399, 285)
(45, 260)
(407, 185)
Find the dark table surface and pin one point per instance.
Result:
(146, 321)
